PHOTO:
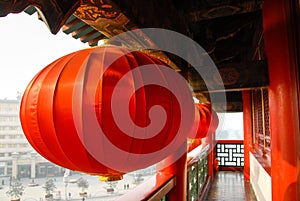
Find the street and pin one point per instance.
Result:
(96, 191)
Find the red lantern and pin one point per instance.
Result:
(95, 111)
(212, 116)
(206, 121)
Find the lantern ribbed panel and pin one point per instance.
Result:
(59, 103)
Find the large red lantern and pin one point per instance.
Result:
(99, 111)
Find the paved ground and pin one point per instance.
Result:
(96, 191)
(230, 186)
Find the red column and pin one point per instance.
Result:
(178, 168)
(284, 116)
(247, 132)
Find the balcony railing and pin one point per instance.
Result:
(155, 188)
(159, 185)
(197, 172)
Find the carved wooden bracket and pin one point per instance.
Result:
(106, 17)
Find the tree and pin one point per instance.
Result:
(49, 187)
(83, 184)
(15, 190)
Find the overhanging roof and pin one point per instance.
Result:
(77, 28)
(230, 31)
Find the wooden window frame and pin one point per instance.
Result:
(261, 139)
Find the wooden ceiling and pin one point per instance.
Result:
(229, 30)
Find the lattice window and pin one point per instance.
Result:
(260, 120)
(230, 155)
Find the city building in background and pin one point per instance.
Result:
(17, 158)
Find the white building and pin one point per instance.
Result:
(17, 158)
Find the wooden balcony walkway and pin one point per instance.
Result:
(230, 186)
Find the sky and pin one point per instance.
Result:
(26, 47)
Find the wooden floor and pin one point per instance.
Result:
(230, 186)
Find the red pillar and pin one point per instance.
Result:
(283, 100)
(178, 168)
(247, 132)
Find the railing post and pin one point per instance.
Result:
(179, 169)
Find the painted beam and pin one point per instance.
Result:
(233, 101)
(216, 9)
(235, 76)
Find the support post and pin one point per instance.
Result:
(283, 97)
(179, 169)
(33, 163)
(15, 157)
(247, 133)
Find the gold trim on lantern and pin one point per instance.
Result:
(110, 178)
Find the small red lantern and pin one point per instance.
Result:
(206, 121)
(212, 116)
(99, 111)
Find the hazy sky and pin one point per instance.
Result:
(27, 46)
